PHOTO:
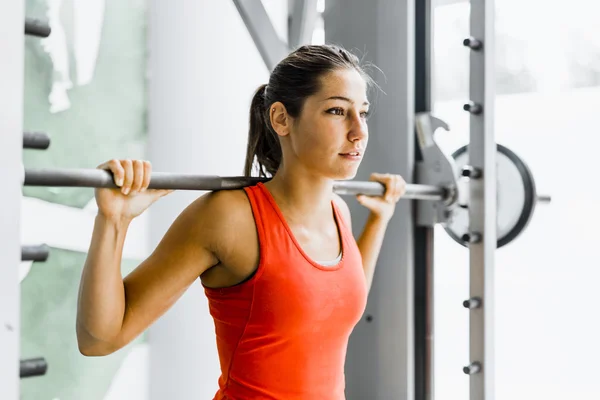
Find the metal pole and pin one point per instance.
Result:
(261, 29)
(423, 235)
(63, 177)
(482, 200)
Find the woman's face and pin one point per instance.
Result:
(330, 136)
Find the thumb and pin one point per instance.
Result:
(165, 192)
(162, 192)
(367, 201)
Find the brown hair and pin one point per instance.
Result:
(293, 80)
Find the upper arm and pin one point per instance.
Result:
(344, 209)
(183, 254)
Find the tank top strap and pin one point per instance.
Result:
(265, 217)
(343, 225)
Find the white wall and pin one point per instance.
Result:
(11, 127)
(204, 68)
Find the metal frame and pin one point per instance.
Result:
(482, 200)
(271, 48)
(423, 234)
(11, 148)
(302, 22)
(257, 21)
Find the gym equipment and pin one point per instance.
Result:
(38, 253)
(483, 208)
(162, 180)
(516, 198)
(443, 188)
(516, 194)
(33, 367)
(35, 27)
(36, 140)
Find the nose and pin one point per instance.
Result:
(358, 129)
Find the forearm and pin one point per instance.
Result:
(101, 304)
(370, 242)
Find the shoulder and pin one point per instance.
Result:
(221, 210)
(225, 202)
(343, 207)
(224, 217)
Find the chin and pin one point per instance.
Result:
(345, 175)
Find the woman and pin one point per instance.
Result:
(285, 279)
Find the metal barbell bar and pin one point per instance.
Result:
(64, 177)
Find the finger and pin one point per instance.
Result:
(164, 192)
(384, 179)
(367, 201)
(114, 166)
(147, 175)
(128, 180)
(138, 176)
(402, 186)
(390, 188)
(377, 177)
(161, 192)
(397, 188)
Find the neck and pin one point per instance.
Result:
(301, 194)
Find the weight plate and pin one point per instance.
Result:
(516, 197)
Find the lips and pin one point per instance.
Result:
(351, 153)
(354, 156)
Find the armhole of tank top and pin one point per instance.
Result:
(251, 193)
(260, 231)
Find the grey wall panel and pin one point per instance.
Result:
(380, 362)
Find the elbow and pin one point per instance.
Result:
(92, 347)
(88, 351)
(97, 349)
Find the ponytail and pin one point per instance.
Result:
(263, 143)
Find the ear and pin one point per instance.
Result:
(281, 121)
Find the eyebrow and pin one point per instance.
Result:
(366, 103)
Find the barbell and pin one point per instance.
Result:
(97, 178)
(443, 188)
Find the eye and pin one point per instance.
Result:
(336, 111)
(365, 114)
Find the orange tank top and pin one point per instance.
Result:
(283, 333)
